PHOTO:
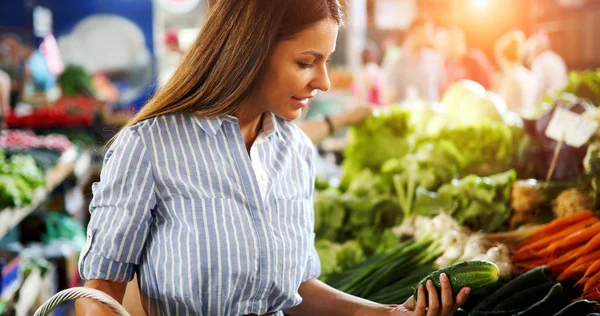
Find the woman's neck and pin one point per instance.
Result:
(250, 120)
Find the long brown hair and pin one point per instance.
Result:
(221, 69)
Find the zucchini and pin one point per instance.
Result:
(479, 295)
(474, 274)
(582, 307)
(552, 303)
(524, 298)
(496, 313)
(525, 280)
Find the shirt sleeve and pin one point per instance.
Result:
(313, 265)
(120, 211)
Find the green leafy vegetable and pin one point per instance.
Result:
(585, 84)
(75, 80)
(380, 137)
(488, 147)
(19, 177)
(480, 203)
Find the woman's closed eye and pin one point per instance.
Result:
(305, 65)
(310, 65)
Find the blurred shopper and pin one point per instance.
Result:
(548, 67)
(462, 62)
(317, 130)
(516, 84)
(368, 79)
(171, 58)
(418, 71)
(5, 88)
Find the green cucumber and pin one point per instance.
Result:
(552, 303)
(582, 307)
(526, 280)
(473, 274)
(523, 299)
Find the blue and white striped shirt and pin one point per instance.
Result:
(179, 202)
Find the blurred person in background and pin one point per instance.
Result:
(319, 129)
(5, 88)
(462, 62)
(171, 58)
(418, 71)
(367, 82)
(548, 67)
(515, 84)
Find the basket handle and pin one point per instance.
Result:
(80, 292)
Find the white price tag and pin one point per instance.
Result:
(571, 128)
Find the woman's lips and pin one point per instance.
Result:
(300, 102)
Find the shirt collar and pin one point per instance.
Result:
(212, 125)
(270, 126)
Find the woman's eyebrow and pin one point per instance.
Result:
(314, 53)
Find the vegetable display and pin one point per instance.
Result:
(426, 188)
(435, 243)
(19, 177)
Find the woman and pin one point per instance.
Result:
(516, 84)
(206, 195)
(548, 67)
(367, 79)
(462, 62)
(417, 71)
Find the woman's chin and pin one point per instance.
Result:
(289, 115)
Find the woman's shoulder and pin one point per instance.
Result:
(152, 130)
(160, 124)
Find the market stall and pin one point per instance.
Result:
(424, 186)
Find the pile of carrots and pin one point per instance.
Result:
(570, 247)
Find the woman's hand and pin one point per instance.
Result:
(356, 114)
(446, 307)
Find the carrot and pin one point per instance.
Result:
(576, 253)
(575, 239)
(558, 270)
(544, 242)
(591, 296)
(593, 269)
(556, 225)
(526, 266)
(592, 283)
(529, 255)
(579, 267)
(566, 258)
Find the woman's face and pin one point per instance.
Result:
(296, 69)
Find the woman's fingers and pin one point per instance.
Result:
(410, 303)
(434, 301)
(447, 299)
(420, 305)
(461, 298)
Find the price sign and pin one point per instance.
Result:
(571, 128)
